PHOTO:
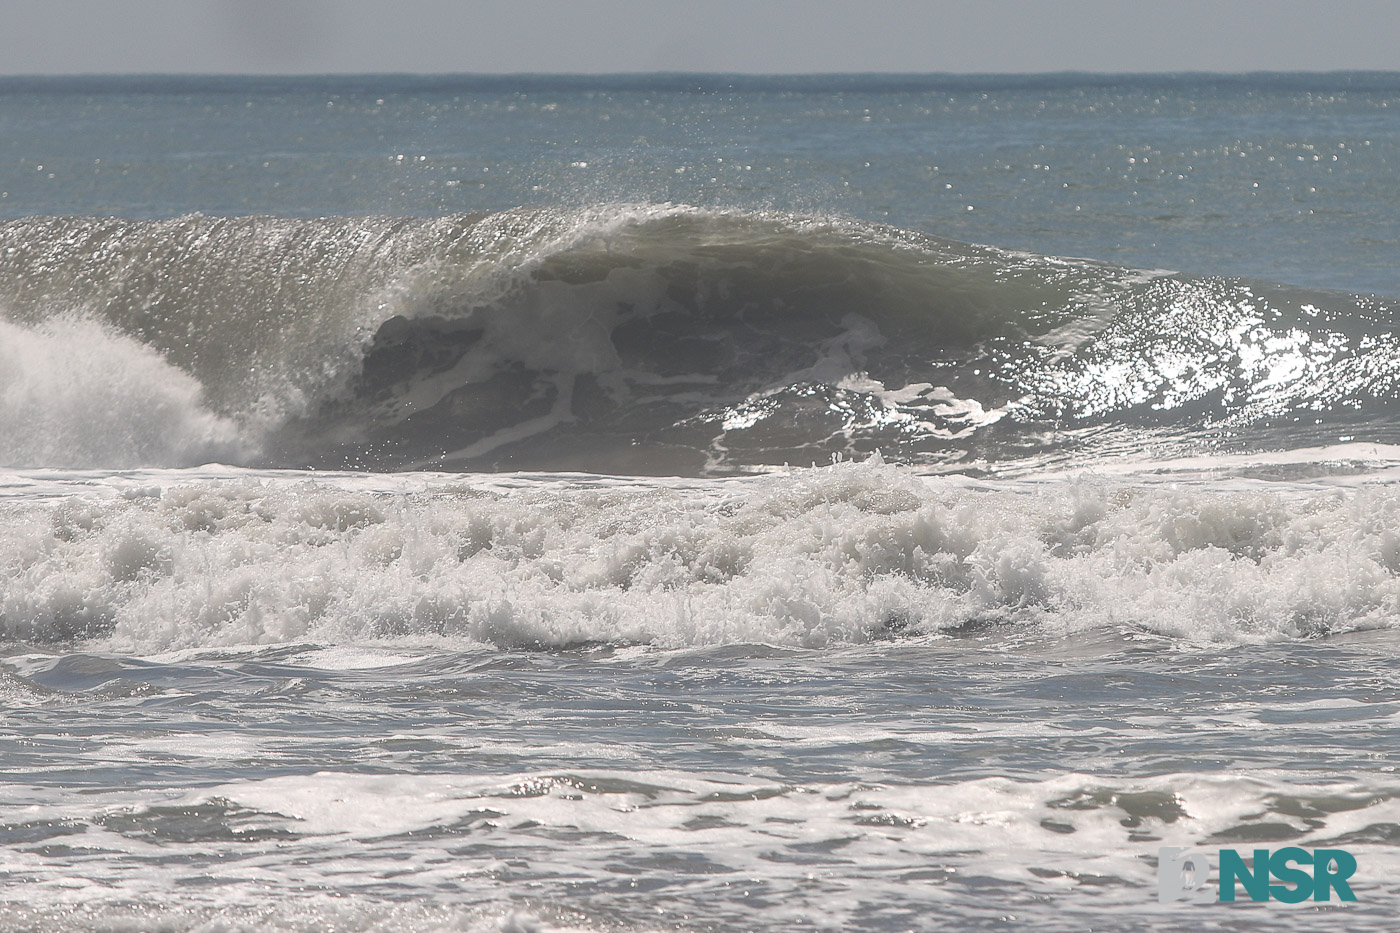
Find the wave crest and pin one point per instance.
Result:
(665, 338)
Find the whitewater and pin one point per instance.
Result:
(694, 503)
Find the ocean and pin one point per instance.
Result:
(698, 503)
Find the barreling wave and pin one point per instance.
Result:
(644, 339)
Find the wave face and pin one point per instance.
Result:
(645, 339)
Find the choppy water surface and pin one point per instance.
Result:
(1096, 557)
(845, 698)
(912, 785)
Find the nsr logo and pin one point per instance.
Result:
(1187, 877)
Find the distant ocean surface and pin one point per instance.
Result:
(695, 503)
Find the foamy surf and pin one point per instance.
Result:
(724, 844)
(75, 392)
(837, 555)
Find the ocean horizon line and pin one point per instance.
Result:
(744, 81)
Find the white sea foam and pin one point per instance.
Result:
(1077, 841)
(842, 554)
(74, 393)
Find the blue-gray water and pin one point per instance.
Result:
(835, 553)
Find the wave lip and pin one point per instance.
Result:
(647, 339)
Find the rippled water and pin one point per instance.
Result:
(884, 787)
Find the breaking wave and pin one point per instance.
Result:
(644, 339)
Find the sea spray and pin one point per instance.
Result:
(75, 392)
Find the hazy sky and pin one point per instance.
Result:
(298, 36)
